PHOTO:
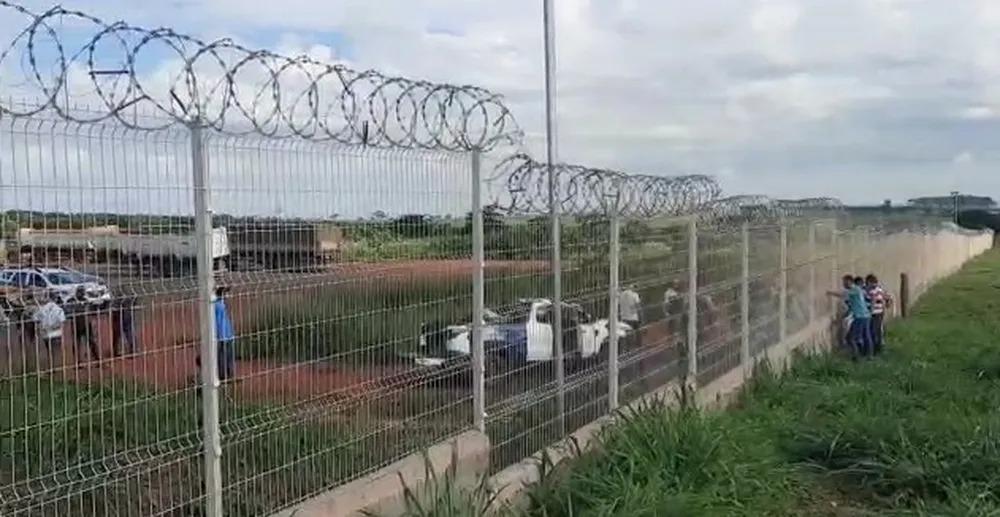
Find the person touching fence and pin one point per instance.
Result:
(859, 333)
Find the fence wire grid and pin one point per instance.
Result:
(230, 295)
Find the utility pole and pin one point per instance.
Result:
(955, 205)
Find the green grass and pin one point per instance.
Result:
(915, 432)
(124, 450)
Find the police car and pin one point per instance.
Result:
(520, 334)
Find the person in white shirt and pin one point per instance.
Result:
(630, 311)
(50, 318)
(629, 307)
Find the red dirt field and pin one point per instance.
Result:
(428, 269)
(167, 332)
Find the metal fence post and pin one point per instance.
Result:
(834, 265)
(614, 256)
(691, 383)
(745, 358)
(783, 294)
(211, 434)
(478, 299)
(552, 157)
(812, 272)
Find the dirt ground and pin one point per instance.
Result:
(167, 331)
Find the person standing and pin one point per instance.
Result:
(673, 312)
(83, 330)
(123, 325)
(49, 319)
(880, 301)
(859, 333)
(630, 307)
(225, 336)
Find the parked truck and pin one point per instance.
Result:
(166, 254)
(283, 244)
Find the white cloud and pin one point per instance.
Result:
(978, 113)
(774, 22)
(802, 95)
(963, 158)
(792, 96)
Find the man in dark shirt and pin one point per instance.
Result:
(83, 330)
(123, 325)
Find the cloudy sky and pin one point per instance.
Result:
(859, 99)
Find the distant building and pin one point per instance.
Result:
(966, 202)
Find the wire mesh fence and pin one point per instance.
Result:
(343, 310)
(228, 298)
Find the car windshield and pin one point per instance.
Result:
(66, 277)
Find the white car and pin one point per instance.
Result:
(522, 334)
(64, 282)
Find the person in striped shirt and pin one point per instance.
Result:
(880, 300)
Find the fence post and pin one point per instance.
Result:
(552, 158)
(904, 295)
(745, 358)
(834, 265)
(812, 272)
(478, 299)
(783, 295)
(208, 354)
(614, 256)
(691, 383)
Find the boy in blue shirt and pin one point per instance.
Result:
(225, 336)
(859, 334)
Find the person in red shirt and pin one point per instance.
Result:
(880, 300)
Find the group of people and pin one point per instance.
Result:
(42, 322)
(866, 302)
(865, 305)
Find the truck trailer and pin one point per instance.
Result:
(167, 254)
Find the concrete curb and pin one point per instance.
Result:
(382, 492)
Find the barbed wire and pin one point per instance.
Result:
(758, 209)
(70, 55)
(798, 207)
(584, 190)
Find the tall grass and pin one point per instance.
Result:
(915, 432)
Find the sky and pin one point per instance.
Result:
(857, 99)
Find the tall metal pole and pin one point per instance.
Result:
(478, 299)
(783, 294)
(834, 265)
(745, 358)
(955, 205)
(552, 158)
(692, 309)
(211, 434)
(812, 272)
(614, 254)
